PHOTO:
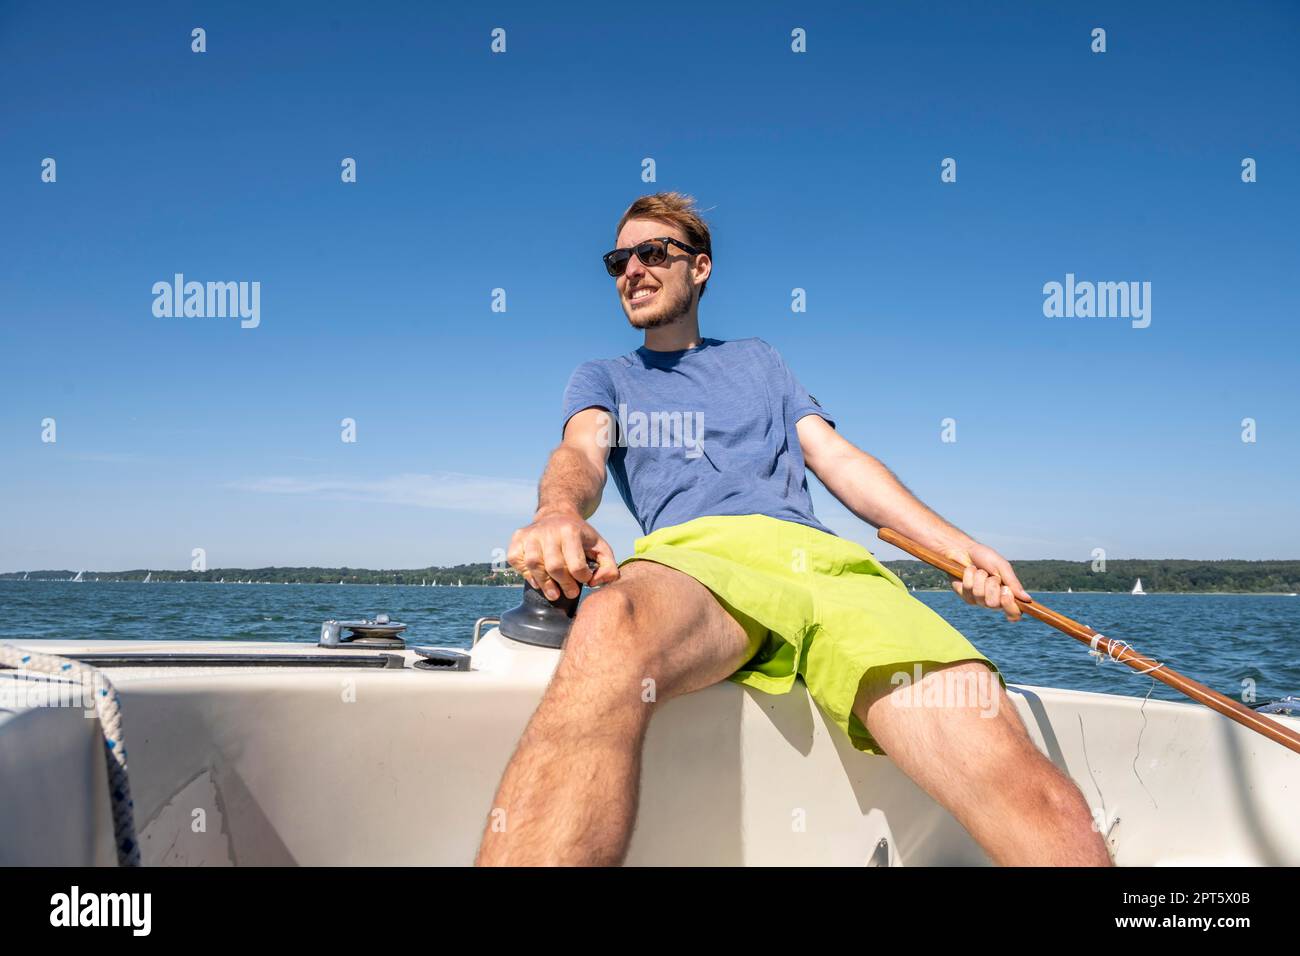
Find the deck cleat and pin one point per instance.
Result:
(381, 632)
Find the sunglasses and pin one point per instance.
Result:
(651, 252)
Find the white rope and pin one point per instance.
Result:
(109, 712)
(1115, 651)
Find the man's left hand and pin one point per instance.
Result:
(988, 581)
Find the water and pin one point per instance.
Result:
(1218, 639)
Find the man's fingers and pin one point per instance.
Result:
(1009, 605)
(534, 570)
(994, 585)
(575, 557)
(606, 564)
(561, 580)
(993, 591)
(960, 588)
(1010, 580)
(515, 554)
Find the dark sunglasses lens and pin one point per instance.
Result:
(652, 253)
(616, 261)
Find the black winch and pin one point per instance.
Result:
(539, 621)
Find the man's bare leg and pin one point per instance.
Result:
(978, 762)
(569, 793)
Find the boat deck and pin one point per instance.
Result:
(368, 759)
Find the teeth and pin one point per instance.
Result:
(642, 293)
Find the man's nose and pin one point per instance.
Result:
(634, 268)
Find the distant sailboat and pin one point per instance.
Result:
(148, 577)
(24, 575)
(1137, 588)
(460, 583)
(1069, 590)
(78, 579)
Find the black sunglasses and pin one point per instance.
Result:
(651, 252)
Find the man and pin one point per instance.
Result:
(735, 578)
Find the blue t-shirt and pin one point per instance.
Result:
(702, 431)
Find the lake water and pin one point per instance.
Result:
(1219, 639)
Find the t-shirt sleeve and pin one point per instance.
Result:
(797, 400)
(590, 386)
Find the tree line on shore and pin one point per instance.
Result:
(1163, 576)
(1158, 576)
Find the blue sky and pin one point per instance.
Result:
(476, 171)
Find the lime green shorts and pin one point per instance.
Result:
(817, 606)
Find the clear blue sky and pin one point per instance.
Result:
(475, 171)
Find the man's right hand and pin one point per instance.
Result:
(551, 554)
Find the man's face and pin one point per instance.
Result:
(653, 296)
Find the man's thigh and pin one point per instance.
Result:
(664, 623)
(955, 728)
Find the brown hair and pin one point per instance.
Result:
(678, 210)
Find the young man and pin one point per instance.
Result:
(735, 578)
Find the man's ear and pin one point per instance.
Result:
(702, 261)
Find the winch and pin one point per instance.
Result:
(381, 632)
(540, 621)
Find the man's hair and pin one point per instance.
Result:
(680, 211)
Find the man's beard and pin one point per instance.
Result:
(662, 313)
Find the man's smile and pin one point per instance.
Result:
(641, 295)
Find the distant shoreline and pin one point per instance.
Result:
(1044, 576)
(519, 584)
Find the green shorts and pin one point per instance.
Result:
(817, 606)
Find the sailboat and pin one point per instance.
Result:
(263, 735)
(1069, 590)
(460, 583)
(1137, 588)
(147, 577)
(78, 579)
(24, 575)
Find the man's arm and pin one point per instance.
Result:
(551, 553)
(870, 490)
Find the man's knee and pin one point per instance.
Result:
(608, 632)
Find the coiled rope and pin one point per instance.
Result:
(1115, 651)
(109, 712)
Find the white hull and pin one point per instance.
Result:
(287, 772)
